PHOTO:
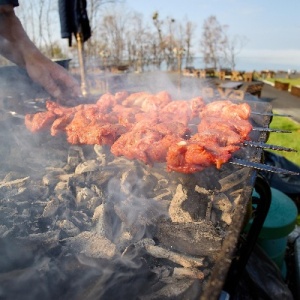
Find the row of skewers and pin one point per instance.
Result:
(187, 135)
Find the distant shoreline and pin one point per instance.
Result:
(252, 64)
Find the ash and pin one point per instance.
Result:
(78, 223)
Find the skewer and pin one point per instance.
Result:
(270, 114)
(267, 146)
(266, 129)
(262, 167)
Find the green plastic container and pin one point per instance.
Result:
(279, 223)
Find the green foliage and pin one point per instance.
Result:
(290, 140)
(291, 81)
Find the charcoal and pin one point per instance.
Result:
(52, 178)
(83, 196)
(81, 220)
(87, 166)
(3, 231)
(91, 244)
(15, 193)
(176, 212)
(188, 272)
(222, 203)
(180, 259)
(75, 156)
(206, 239)
(100, 177)
(176, 289)
(187, 205)
(102, 226)
(61, 186)
(68, 227)
(51, 208)
(15, 183)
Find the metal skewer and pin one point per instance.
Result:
(262, 167)
(267, 146)
(269, 114)
(266, 129)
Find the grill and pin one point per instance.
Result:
(78, 223)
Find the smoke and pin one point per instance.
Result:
(42, 254)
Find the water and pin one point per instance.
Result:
(250, 64)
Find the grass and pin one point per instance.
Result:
(293, 81)
(290, 140)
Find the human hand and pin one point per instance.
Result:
(17, 47)
(56, 80)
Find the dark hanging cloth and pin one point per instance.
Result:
(73, 19)
(12, 2)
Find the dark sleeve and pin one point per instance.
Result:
(12, 2)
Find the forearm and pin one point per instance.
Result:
(15, 45)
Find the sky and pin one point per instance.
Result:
(271, 27)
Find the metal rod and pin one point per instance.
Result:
(269, 114)
(261, 167)
(84, 87)
(267, 146)
(266, 129)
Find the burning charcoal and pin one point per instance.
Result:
(74, 180)
(51, 208)
(174, 288)
(226, 217)
(38, 192)
(3, 231)
(52, 177)
(75, 156)
(83, 196)
(37, 241)
(164, 194)
(100, 177)
(87, 166)
(7, 213)
(128, 182)
(81, 220)
(177, 214)
(206, 239)
(68, 227)
(14, 192)
(102, 154)
(183, 260)
(16, 183)
(91, 244)
(61, 186)
(104, 222)
(222, 202)
(232, 180)
(188, 272)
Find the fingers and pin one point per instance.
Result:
(56, 80)
(67, 85)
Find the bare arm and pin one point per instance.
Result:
(16, 46)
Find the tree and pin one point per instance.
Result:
(213, 42)
(189, 33)
(232, 48)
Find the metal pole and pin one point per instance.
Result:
(84, 87)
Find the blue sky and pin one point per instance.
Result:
(272, 27)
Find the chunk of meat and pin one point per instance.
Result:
(226, 109)
(39, 121)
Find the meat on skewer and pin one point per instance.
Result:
(153, 128)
